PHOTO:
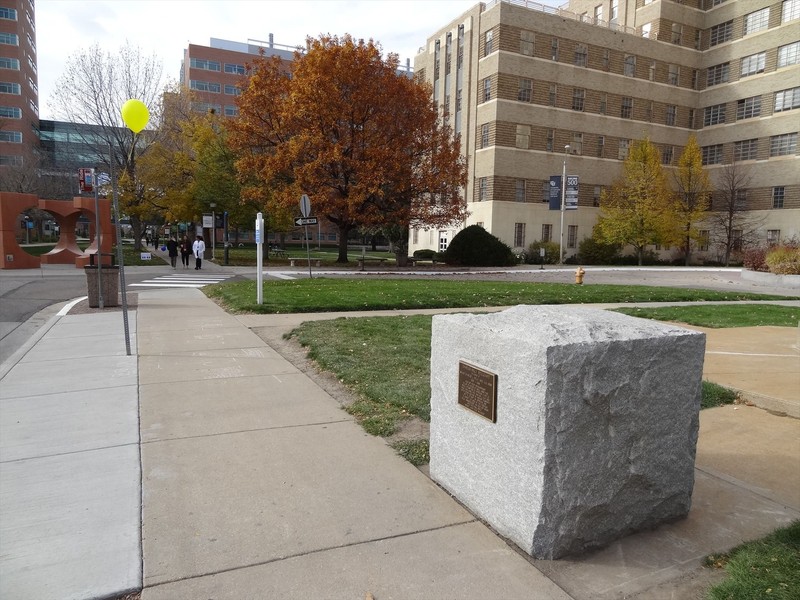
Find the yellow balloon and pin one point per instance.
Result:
(135, 115)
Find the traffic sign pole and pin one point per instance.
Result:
(259, 258)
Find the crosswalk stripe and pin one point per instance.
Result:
(179, 280)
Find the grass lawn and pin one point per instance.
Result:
(326, 295)
(721, 316)
(246, 256)
(386, 362)
(765, 568)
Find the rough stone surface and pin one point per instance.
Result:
(597, 422)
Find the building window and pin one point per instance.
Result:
(714, 115)
(717, 74)
(572, 236)
(702, 240)
(525, 91)
(672, 113)
(598, 13)
(596, 195)
(234, 69)
(578, 97)
(629, 67)
(232, 90)
(206, 65)
(778, 195)
(9, 39)
(791, 10)
(783, 145)
(741, 199)
(526, 42)
(547, 232)
(712, 155)
(546, 191)
(488, 48)
(614, 11)
(576, 145)
(485, 135)
(10, 161)
(231, 111)
(787, 55)
(666, 155)
(603, 108)
(519, 235)
(677, 33)
(482, 189)
(737, 238)
(747, 108)
(8, 14)
(787, 99)
(606, 58)
(10, 112)
(551, 135)
(487, 89)
(523, 136)
(674, 75)
(15, 137)
(753, 64)
(10, 88)
(627, 108)
(554, 49)
(581, 55)
(9, 63)
(622, 153)
(519, 190)
(745, 149)
(756, 21)
(721, 33)
(601, 144)
(773, 237)
(204, 86)
(646, 29)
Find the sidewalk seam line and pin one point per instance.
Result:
(206, 435)
(312, 552)
(71, 452)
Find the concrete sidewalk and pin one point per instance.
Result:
(255, 484)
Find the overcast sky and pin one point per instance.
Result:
(166, 27)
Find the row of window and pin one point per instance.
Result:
(15, 137)
(206, 107)
(547, 235)
(751, 65)
(779, 145)
(214, 88)
(748, 108)
(753, 22)
(212, 65)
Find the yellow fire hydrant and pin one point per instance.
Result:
(579, 272)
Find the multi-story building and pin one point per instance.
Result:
(19, 91)
(534, 91)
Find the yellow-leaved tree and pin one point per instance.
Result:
(637, 209)
(692, 197)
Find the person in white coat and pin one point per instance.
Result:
(198, 248)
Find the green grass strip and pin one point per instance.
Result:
(721, 315)
(765, 568)
(326, 295)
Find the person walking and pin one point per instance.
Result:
(186, 251)
(199, 247)
(172, 249)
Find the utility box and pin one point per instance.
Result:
(110, 282)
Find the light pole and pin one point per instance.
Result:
(563, 204)
(213, 205)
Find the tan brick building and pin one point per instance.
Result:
(519, 82)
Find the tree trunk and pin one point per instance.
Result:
(640, 255)
(344, 231)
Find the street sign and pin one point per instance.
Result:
(208, 221)
(571, 200)
(86, 180)
(305, 207)
(300, 221)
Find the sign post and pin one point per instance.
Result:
(259, 258)
(305, 210)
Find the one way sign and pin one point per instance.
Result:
(300, 221)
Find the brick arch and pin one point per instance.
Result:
(66, 215)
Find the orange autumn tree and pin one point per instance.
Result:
(364, 142)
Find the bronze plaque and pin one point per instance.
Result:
(477, 390)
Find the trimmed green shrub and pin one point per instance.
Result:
(476, 247)
(594, 252)
(424, 254)
(550, 253)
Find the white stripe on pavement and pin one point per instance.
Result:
(179, 280)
